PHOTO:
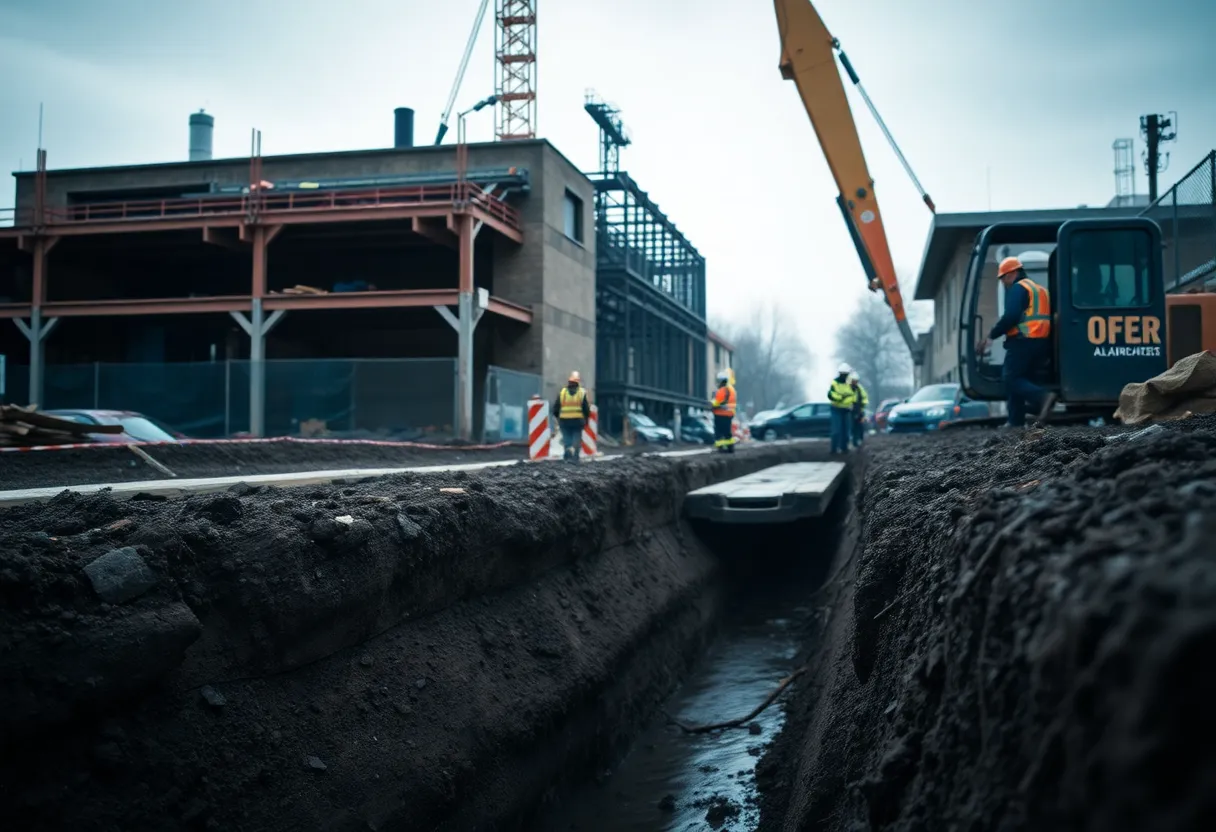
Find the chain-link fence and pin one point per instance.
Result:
(1187, 216)
(390, 398)
(507, 394)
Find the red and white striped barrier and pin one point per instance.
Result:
(538, 428)
(591, 433)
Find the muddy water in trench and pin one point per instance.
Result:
(670, 780)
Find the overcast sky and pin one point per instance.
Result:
(1025, 94)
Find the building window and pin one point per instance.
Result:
(717, 355)
(573, 218)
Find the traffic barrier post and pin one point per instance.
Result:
(538, 428)
(591, 433)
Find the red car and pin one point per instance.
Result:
(880, 415)
(136, 427)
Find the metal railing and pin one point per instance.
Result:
(269, 203)
(1187, 216)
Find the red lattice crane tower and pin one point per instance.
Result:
(515, 69)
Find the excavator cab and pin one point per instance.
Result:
(1104, 277)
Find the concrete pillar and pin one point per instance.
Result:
(471, 304)
(256, 326)
(38, 328)
(35, 331)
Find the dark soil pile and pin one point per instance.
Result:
(1024, 640)
(110, 464)
(412, 652)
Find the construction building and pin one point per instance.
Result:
(430, 276)
(652, 334)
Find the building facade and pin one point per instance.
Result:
(359, 256)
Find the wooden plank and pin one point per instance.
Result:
(781, 494)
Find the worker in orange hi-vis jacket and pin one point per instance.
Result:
(724, 404)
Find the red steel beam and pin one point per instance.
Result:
(195, 306)
(510, 310)
(15, 310)
(388, 299)
(81, 228)
(151, 306)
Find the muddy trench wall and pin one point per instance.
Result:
(383, 655)
(1017, 641)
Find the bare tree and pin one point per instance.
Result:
(771, 361)
(871, 343)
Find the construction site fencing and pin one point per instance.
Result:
(390, 398)
(506, 405)
(1187, 216)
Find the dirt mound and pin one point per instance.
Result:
(412, 652)
(1028, 645)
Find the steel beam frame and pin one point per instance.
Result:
(651, 333)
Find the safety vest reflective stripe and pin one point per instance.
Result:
(1036, 318)
(841, 395)
(572, 404)
(724, 401)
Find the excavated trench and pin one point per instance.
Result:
(1015, 632)
(414, 652)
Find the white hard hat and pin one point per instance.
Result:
(844, 368)
(853, 377)
(723, 375)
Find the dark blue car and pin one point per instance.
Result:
(932, 405)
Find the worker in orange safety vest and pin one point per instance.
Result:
(1026, 326)
(723, 404)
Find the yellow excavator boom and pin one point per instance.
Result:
(808, 58)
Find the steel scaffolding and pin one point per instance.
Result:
(651, 350)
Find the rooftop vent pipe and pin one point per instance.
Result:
(201, 127)
(403, 124)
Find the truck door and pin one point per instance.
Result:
(1109, 307)
(980, 379)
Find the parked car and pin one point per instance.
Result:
(932, 405)
(136, 427)
(645, 430)
(696, 430)
(884, 408)
(810, 419)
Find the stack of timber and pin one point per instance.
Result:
(25, 426)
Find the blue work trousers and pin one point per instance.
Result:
(842, 419)
(1026, 360)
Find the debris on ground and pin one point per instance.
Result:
(26, 427)
(1187, 388)
(1027, 644)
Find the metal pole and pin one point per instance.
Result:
(1153, 137)
(35, 338)
(257, 370)
(464, 358)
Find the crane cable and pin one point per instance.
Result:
(848, 67)
(464, 64)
